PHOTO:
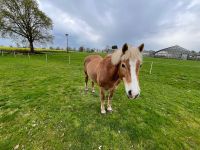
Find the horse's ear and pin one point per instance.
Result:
(124, 48)
(141, 47)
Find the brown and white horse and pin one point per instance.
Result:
(123, 64)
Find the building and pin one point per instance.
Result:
(148, 53)
(111, 50)
(194, 56)
(173, 52)
(184, 56)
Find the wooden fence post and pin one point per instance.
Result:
(46, 58)
(28, 56)
(151, 67)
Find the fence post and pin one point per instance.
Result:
(2, 53)
(151, 67)
(69, 60)
(28, 56)
(14, 54)
(46, 58)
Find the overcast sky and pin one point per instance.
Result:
(97, 23)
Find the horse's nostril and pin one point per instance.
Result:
(136, 95)
(130, 93)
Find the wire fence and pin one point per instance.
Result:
(70, 59)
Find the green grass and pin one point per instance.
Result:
(44, 106)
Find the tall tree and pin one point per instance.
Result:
(22, 19)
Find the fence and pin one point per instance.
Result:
(70, 59)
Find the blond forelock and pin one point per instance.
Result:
(132, 53)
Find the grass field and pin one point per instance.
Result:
(43, 106)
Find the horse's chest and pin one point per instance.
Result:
(107, 74)
(107, 81)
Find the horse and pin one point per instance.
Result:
(123, 64)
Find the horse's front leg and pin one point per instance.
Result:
(102, 96)
(93, 91)
(109, 105)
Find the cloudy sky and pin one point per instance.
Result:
(97, 23)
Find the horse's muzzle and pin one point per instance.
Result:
(131, 96)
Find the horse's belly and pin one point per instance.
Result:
(93, 76)
(92, 71)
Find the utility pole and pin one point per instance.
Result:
(67, 41)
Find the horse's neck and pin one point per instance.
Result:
(111, 70)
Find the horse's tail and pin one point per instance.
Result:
(85, 66)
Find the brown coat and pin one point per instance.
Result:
(101, 71)
(107, 72)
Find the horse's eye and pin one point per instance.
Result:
(123, 66)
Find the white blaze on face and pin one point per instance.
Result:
(133, 86)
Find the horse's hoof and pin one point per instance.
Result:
(93, 91)
(103, 112)
(109, 111)
(86, 90)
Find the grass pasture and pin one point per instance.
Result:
(43, 106)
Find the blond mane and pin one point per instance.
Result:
(132, 53)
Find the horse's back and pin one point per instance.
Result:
(91, 65)
(90, 58)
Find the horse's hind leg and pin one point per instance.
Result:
(86, 82)
(93, 87)
(102, 96)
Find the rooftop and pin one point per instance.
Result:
(175, 48)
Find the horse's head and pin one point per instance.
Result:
(129, 60)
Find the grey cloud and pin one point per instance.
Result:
(130, 20)
(118, 21)
(97, 23)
